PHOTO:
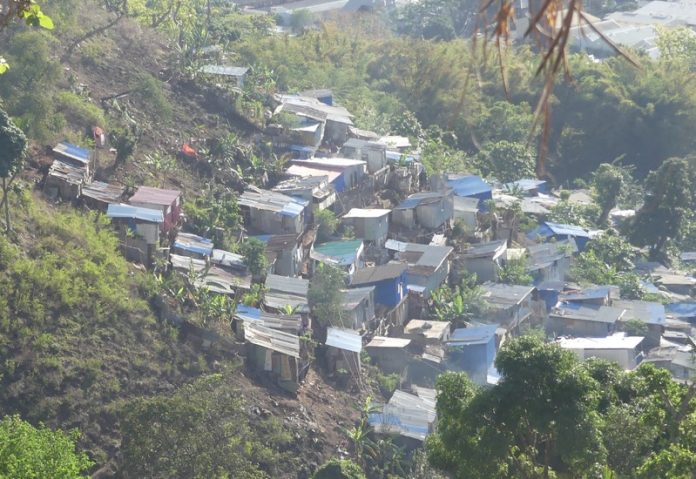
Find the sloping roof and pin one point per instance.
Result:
(428, 329)
(67, 172)
(615, 341)
(273, 339)
(104, 192)
(155, 196)
(215, 279)
(472, 335)
(421, 258)
(352, 298)
(543, 255)
(134, 212)
(193, 244)
(331, 112)
(565, 230)
(282, 291)
(228, 259)
(316, 172)
(393, 141)
(73, 152)
(359, 143)
(269, 320)
(505, 295)
(343, 252)
(366, 213)
(684, 309)
(588, 294)
(599, 314)
(525, 184)
(335, 163)
(405, 414)
(302, 183)
(224, 70)
(424, 198)
(376, 274)
(272, 201)
(646, 311)
(386, 342)
(468, 185)
(346, 339)
(481, 250)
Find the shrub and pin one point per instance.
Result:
(79, 111)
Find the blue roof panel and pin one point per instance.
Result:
(72, 151)
(567, 230)
(468, 185)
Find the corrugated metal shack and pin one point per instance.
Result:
(275, 354)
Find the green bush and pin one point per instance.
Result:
(79, 111)
(150, 92)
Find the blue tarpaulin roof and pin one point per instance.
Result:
(72, 151)
(468, 185)
(294, 209)
(247, 312)
(134, 212)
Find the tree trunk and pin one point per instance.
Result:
(6, 200)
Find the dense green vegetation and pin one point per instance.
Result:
(554, 416)
(27, 452)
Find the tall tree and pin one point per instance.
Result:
(13, 146)
(669, 196)
(608, 182)
(325, 296)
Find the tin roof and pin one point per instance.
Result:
(335, 163)
(472, 335)
(386, 342)
(505, 295)
(224, 70)
(481, 250)
(195, 244)
(599, 314)
(215, 279)
(366, 213)
(352, 298)
(134, 212)
(346, 339)
(405, 414)
(73, 152)
(273, 339)
(376, 274)
(228, 259)
(421, 258)
(155, 196)
(67, 172)
(284, 291)
(269, 320)
(316, 172)
(418, 199)
(272, 201)
(615, 341)
(104, 192)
